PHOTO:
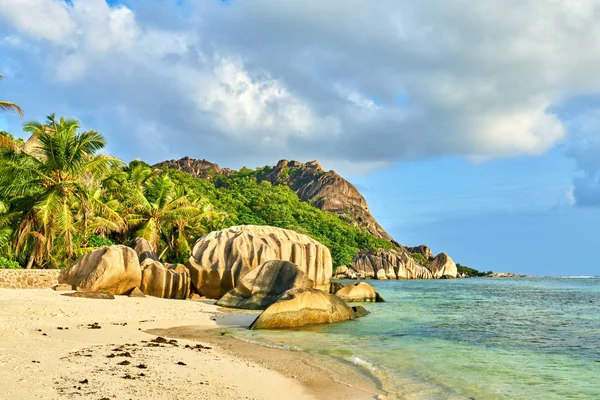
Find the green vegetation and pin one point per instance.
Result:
(60, 197)
(420, 259)
(10, 107)
(8, 264)
(470, 272)
(247, 198)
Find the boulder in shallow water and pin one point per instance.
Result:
(301, 307)
(389, 264)
(109, 269)
(262, 286)
(160, 281)
(359, 311)
(359, 292)
(220, 259)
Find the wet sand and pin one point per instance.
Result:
(326, 378)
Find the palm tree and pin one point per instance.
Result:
(10, 107)
(52, 186)
(162, 213)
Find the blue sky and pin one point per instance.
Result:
(471, 127)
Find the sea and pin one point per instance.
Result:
(478, 338)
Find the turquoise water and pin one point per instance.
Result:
(532, 338)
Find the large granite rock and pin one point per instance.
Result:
(442, 266)
(422, 250)
(359, 292)
(328, 191)
(159, 280)
(110, 270)
(219, 259)
(262, 286)
(144, 249)
(301, 307)
(388, 264)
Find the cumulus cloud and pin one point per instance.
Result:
(359, 84)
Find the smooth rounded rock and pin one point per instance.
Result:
(220, 259)
(302, 307)
(359, 292)
(160, 281)
(109, 269)
(262, 286)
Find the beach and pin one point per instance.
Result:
(55, 347)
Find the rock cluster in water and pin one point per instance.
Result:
(396, 264)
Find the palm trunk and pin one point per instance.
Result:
(30, 261)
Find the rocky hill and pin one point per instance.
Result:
(326, 190)
(197, 168)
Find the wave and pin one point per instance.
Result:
(270, 345)
(362, 363)
(575, 277)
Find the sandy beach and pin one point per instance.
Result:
(58, 347)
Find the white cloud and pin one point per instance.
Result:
(251, 82)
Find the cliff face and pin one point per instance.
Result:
(327, 191)
(197, 168)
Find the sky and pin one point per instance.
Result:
(472, 127)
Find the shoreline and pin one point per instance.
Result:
(327, 378)
(58, 347)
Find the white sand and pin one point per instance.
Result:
(34, 366)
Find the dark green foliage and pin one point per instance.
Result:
(8, 264)
(471, 272)
(420, 259)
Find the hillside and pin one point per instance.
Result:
(325, 190)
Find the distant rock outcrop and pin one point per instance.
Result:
(219, 259)
(422, 250)
(262, 286)
(443, 266)
(301, 307)
(197, 168)
(327, 191)
(388, 264)
(110, 270)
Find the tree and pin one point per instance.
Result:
(51, 186)
(159, 211)
(10, 107)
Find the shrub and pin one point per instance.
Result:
(420, 259)
(8, 264)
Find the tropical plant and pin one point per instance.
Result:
(52, 186)
(161, 213)
(10, 107)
